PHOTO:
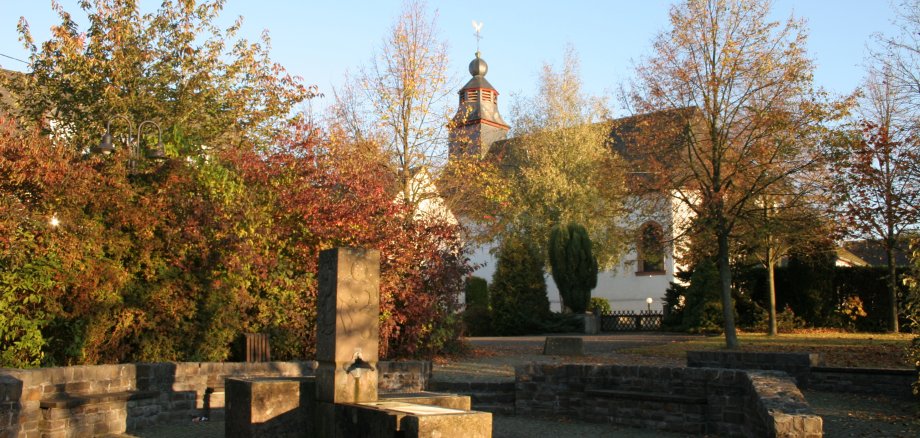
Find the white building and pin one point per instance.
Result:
(478, 127)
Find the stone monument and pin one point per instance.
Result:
(348, 313)
(342, 400)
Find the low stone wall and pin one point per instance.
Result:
(797, 365)
(808, 372)
(686, 400)
(494, 397)
(112, 399)
(777, 408)
(896, 383)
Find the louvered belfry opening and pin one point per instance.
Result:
(479, 95)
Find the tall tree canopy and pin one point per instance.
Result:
(202, 84)
(742, 86)
(397, 109)
(407, 86)
(877, 171)
(561, 168)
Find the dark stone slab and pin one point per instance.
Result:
(646, 396)
(71, 401)
(564, 346)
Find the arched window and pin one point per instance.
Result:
(650, 248)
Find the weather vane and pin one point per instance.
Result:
(477, 26)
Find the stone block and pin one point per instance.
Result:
(590, 323)
(10, 389)
(467, 425)
(270, 407)
(563, 346)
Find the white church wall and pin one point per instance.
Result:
(625, 289)
(621, 287)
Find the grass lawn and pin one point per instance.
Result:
(838, 349)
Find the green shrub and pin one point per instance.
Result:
(600, 305)
(850, 311)
(477, 318)
(561, 323)
(675, 297)
(477, 321)
(818, 295)
(787, 322)
(518, 289)
(574, 265)
(477, 292)
(703, 306)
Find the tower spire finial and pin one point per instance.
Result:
(477, 27)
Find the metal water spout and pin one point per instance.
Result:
(359, 366)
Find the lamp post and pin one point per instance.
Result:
(648, 302)
(106, 146)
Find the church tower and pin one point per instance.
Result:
(477, 123)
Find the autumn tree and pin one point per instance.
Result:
(777, 224)
(899, 55)
(877, 171)
(406, 85)
(396, 111)
(203, 85)
(326, 194)
(561, 167)
(742, 86)
(174, 260)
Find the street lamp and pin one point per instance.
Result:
(649, 302)
(106, 146)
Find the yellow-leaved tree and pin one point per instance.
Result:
(561, 167)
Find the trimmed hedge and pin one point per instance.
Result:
(814, 293)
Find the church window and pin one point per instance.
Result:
(650, 248)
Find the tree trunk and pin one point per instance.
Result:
(892, 287)
(771, 295)
(725, 276)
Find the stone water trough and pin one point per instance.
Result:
(342, 400)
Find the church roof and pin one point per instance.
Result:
(872, 251)
(630, 136)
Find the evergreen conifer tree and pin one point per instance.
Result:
(518, 289)
(574, 265)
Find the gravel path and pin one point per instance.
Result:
(854, 415)
(494, 359)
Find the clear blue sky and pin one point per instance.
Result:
(320, 40)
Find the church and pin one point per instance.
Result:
(639, 282)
